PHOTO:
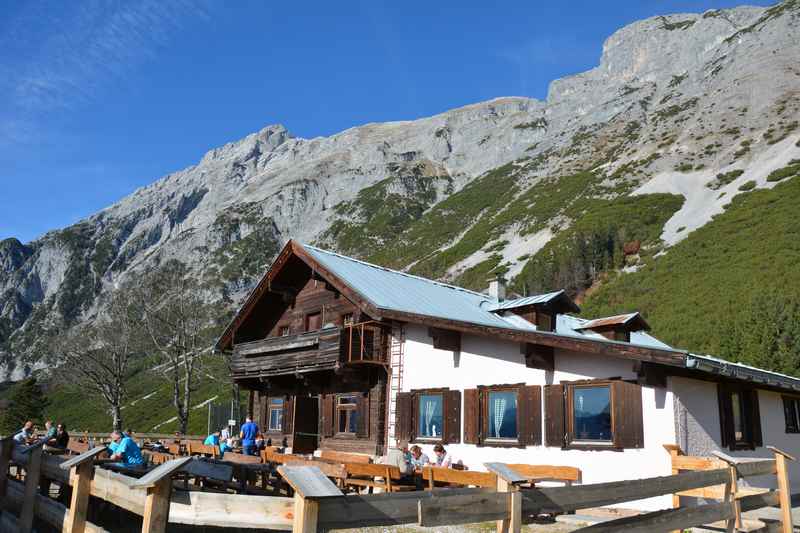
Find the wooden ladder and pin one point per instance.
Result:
(395, 375)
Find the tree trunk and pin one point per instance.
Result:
(116, 415)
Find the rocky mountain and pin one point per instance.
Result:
(617, 165)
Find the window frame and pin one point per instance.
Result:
(307, 320)
(417, 415)
(347, 408)
(795, 401)
(270, 408)
(284, 330)
(752, 435)
(483, 415)
(569, 415)
(347, 319)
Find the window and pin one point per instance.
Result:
(283, 331)
(502, 419)
(591, 414)
(430, 416)
(347, 319)
(594, 414)
(347, 414)
(791, 411)
(313, 321)
(739, 416)
(275, 415)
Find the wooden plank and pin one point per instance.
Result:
(466, 509)
(506, 473)
(460, 477)
(688, 462)
(385, 509)
(6, 447)
(784, 491)
(775, 450)
(756, 468)
(81, 481)
(345, 457)
(166, 470)
(49, 511)
(78, 459)
(757, 501)
(547, 472)
(156, 506)
(32, 476)
(309, 481)
(334, 470)
(665, 520)
(209, 470)
(306, 513)
(221, 510)
(565, 499)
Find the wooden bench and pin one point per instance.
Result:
(198, 448)
(157, 458)
(270, 455)
(77, 447)
(362, 475)
(344, 457)
(464, 478)
(566, 474)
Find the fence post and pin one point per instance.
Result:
(32, 473)
(507, 481)
(81, 472)
(6, 445)
(158, 483)
(674, 451)
(310, 485)
(784, 490)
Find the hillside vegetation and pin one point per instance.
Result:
(717, 281)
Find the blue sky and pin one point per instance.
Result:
(98, 98)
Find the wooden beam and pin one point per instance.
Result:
(6, 446)
(81, 480)
(306, 515)
(512, 522)
(32, 474)
(82, 458)
(784, 489)
(48, 510)
(156, 506)
(464, 509)
(309, 482)
(665, 520)
(506, 473)
(164, 471)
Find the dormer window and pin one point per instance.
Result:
(618, 327)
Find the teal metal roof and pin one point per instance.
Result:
(398, 291)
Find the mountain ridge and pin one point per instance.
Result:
(490, 187)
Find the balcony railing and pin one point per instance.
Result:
(366, 342)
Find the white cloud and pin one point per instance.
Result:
(58, 56)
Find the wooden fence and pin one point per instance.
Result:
(319, 505)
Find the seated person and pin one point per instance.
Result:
(25, 435)
(212, 440)
(443, 459)
(125, 451)
(50, 433)
(418, 459)
(62, 437)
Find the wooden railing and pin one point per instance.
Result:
(318, 504)
(366, 342)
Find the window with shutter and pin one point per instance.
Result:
(471, 417)
(602, 414)
(274, 414)
(791, 414)
(404, 417)
(452, 423)
(739, 417)
(288, 414)
(554, 415)
(362, 427)
(530, 432)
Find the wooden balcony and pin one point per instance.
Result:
(367, 342)
(324, 349)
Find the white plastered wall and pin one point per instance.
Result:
(698, 416)
(487, 361)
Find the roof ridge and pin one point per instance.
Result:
(406, 274)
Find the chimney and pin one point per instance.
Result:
(497, 288)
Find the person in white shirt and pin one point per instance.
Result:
(443, 458)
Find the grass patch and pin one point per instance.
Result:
(747, 186)
(792, 169)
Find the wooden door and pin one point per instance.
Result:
(306, 424)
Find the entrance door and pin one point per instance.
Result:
(306, 424)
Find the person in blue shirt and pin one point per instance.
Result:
(125, 450)
(248, 436)
(212, 440)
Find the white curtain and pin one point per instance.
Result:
(499, 411)
(430, 406)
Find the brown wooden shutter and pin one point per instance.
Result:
(471, 410)
(263, 415)
(755, 417)
(530, 415)
(403, 422)
(362, 430)
(328, 418)
(288, 415)
(727, 437)
(452, 417)
(628, 421)
(554, 415)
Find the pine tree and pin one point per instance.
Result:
(27, 402)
